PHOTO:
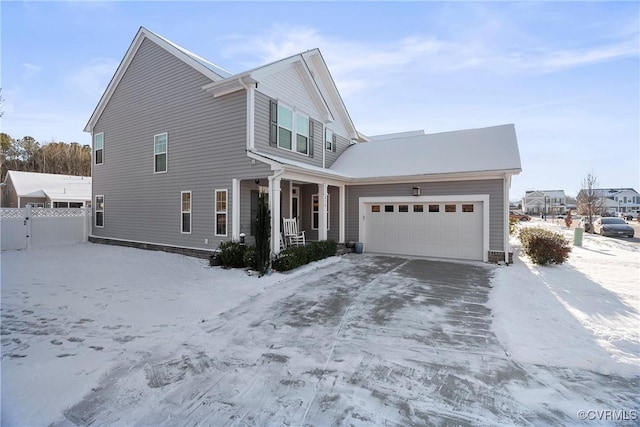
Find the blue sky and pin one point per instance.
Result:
(566, 74)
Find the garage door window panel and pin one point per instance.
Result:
(450, 208)
(403, 208)
(434, 208)
(418, 208)
(388, 208)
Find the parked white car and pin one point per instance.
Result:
(627, 215)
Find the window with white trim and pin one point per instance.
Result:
(99, 211)
(185, 212)
(221, 213)
(329, 140)
(290, 130)
(160, 153)
(98, 148)
(315, 210)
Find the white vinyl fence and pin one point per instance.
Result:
(41, 227)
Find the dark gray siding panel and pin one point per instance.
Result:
(206, 150)
(494, 188)
(262, 124)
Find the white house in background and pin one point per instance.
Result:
(552, 202)
(45, 190)
(620, 199)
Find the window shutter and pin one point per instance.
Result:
(273, 118)
(311, 137)
(334, 142)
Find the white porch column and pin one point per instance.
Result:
(235, 209)
(274, 207)
(342, 225)
(322, 211)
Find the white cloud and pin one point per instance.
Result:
(92, 79)
(30, 70)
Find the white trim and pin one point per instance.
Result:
(225, 212)
(274, 206)
(291, 197)
(295, 113)
(484, 198)
(182, 212)
(505, 218)
(341, 213)
(235, 209)
(95, 222)
(166, 152)
(95, 158)
(251, 117)
(319, 209)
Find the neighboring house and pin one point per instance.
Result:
(618, 199)
(554, 201)
(45, 190)
(182, 149)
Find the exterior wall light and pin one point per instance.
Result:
(416, 191)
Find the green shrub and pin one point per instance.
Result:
(543, 246)
(232, 254)
(297, 256)
(249, 257)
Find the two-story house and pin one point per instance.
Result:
(538, 202)
(618, 199)
(182, 148)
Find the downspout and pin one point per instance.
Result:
(507, 186)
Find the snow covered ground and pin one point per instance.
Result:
(103, 335)
(582, 314)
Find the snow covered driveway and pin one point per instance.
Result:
(100, 335)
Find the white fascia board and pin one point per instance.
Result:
(459, 176)
(230, 85)
(323, 72)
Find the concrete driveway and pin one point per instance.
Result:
(371, 340)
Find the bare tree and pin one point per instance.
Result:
(590, 201)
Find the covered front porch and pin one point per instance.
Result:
(317, 204)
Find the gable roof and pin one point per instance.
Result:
(53, 186)
(209, 69)
(488, 149)
(548, 193)
(310, 63)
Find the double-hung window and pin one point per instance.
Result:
(290, 130)
(98, 148)
(99, 211)
(315, 211)
(329, 140)
(160, 153)
(186, 212)
(221, 213)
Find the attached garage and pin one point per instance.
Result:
(443, 227)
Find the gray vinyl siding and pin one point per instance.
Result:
(306, 192)
(9, 195)
(342, 144)
(206, 150)
(262, 124)
(494, 188)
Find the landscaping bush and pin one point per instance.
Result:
(249, 257)
(543, 246)
(232, 254)
(297, 256)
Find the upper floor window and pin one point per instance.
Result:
(290, 130)
(98, 148)
(160, 153)
(329, 140)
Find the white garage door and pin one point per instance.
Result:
(434, 229)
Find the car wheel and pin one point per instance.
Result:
(602, 232)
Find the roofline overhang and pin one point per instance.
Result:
(231, 84)
(348, 180)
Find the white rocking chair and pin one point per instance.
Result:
(291, 234)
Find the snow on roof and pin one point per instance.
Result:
(59, 187)
(470, 150)
(396, 135)
(300, 165)
(548, 193)
(210, 65)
